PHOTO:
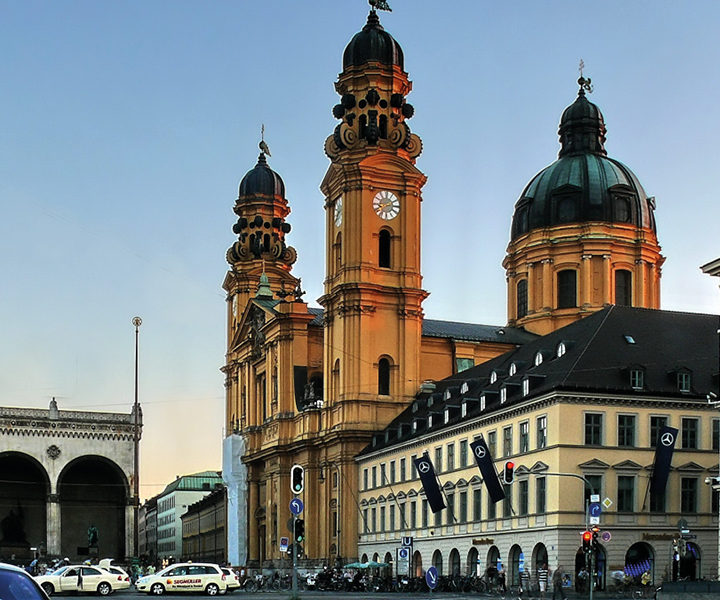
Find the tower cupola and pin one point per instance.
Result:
(373, 43)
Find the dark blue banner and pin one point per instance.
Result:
(430, 483)
(663, 459)
(487, 469)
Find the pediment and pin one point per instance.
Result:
(595, 463)
(372, 501)
(250, 325)
(627, 465)
(522, 470)
(390, 497)
(412, 494)
(475, 480)
(691, 466)
(539, 467)
(401, 495)
(461, 483)
(381, 498)
(449, 486)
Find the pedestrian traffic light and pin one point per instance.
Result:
(509, 472)
(586, 540)
(297, 479)
(299, 530)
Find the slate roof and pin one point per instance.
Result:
(194, 482)
(599, 353)
(472, 332)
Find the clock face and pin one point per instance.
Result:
(338, 211)
(386, 205)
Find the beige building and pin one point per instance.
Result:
(587, 401)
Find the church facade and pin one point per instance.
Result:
(316, 387)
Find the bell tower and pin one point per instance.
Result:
(372, 296)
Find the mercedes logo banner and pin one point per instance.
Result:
(430, 483)
(667, 436)
(487, 469)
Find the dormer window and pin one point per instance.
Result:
(463, 410)
(482, 402)
(525, 387)
(637, 378)
(503, 395)
(560, 350)
(538, 359)
(493, 377)
(684, 381)
(464, 388)
(513, 369)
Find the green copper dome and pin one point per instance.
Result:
(584, 184)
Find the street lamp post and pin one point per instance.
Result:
(137, 321)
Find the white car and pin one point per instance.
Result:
(185, 577)
(122, 579)
(78, 578)
(232, 579)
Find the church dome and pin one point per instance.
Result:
(373, 44)
(261, 180)
(584, 184)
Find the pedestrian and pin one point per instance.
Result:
(557, 581)
(501, 579)
(79, 581)
(542, 576)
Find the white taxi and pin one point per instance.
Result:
(78, 578)
(122, 579)
(185, 577)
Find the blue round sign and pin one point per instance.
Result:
(595, 509)
(431, 577)
(296, 506)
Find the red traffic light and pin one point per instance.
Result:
(509, 472)
(586, 536)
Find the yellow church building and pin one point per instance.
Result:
(319, 387)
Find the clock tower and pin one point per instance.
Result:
(372, 296)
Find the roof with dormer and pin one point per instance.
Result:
(594, 355)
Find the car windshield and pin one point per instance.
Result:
(60, 571)
(18, 586)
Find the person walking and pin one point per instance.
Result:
(557, 581)
(542, 576)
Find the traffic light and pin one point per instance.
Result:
(595, 535)
(509, 472)
(586, 540)
(299, 530)
(297, 479)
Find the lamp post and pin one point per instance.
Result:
(137, 321)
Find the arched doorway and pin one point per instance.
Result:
(437, 561)
(688, 567)
(417, 564)
(514, 565)
(93, 491)
(364, 558)
(473, 566)
(639, 558)
(493, 560)
(23, 502)
(454, 564)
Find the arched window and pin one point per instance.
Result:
(338, 252)
(522, 298)
(623, 288)
(384, 248)
(384, 377)
(567, 288)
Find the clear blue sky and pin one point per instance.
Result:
(126, 127)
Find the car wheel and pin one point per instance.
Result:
(212, 589)
(104, 588)
(48, 588)
(157, 589)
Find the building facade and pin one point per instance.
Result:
(173, 502)
(204, 529)
(67, 471)
(588, 400)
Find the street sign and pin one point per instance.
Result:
(594, 520)
(284, 544)
(431, 577)
(606, 536)
(407, 540)
(521, 562)
(595, 509)
(296, 506)
(403, 561)
(607, 503)
(594, 497)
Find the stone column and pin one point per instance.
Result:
(547, 284)
(130, 549)
(607, 285)
(54, 532)
(586, 291)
